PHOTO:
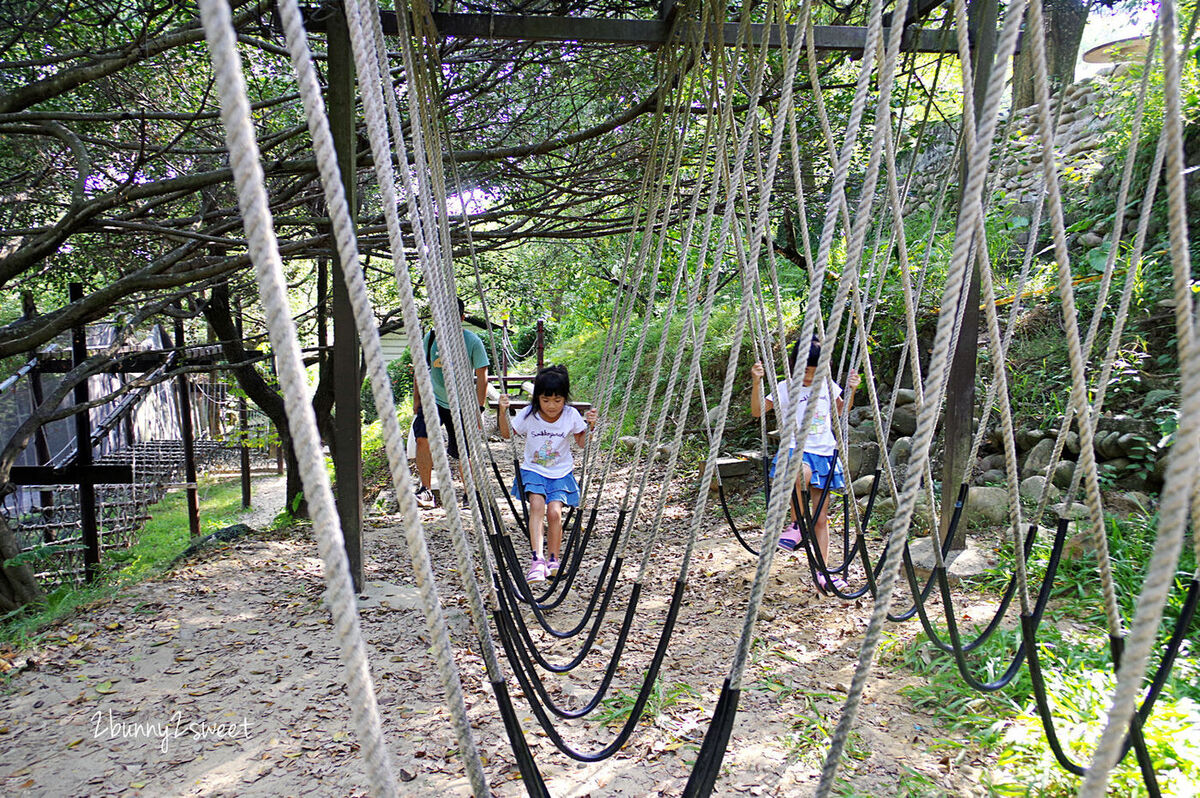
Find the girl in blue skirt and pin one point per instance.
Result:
(820, 466)
(548, 425)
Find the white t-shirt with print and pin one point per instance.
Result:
(548, 446)
(820, 432)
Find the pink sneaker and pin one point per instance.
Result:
(538, 570)
(552, 566)
(790, 538)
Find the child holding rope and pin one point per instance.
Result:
(545, 477)
(821, 465)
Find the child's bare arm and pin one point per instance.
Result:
(844, 404)
(590, 418)
(502, 422)
(757, 405)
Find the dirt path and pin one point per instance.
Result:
(221, 678)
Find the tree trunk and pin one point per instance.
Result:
(258, 390)
(18, 586)
(1065, 20)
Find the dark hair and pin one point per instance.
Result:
(462, 311)
(550, 381)
(814, 353)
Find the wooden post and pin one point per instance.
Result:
(243, 428)
(960, 390)
(541, 346)
(189, 449)
(83, 451)
(127, 422)
(279, 445)
(323, 306)
(347, 377)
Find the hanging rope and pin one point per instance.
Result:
(344, 233)
(268, 269)
(1180, 485)
(956, 272)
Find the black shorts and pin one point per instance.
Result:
(446, 418)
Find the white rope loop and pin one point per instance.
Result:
(1180, 486)
(934, 387)
(252, 201)
(344, 233)
(377, 134)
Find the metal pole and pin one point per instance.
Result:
(244, 429)
(83, 451)
(347, 377)
(189, 449)
(960, 390)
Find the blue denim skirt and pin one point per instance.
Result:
(561, 489)
(821, 465)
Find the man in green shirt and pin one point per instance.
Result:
(477, 354)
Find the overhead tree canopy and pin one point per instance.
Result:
(113, 169)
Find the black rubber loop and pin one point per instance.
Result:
(712, 751)
(530, 775)
(1135, 738)
(521, 625)
(505, 624)
(520, 590)
(639, 705)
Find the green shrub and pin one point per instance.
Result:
(400, 374)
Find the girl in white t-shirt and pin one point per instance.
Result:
(548, 425)
(821, 465)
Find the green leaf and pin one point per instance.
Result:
(1098, 256)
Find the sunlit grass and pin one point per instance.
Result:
(1079, 682)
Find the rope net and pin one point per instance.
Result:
(704, 220)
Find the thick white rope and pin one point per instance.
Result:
(1181, 477)
(1078, 396)
(935, 384)
(386, 177)
(394, 439)
(999, 369)
(268, 269)
(611, 382)
(715, 131)
(1122, 312)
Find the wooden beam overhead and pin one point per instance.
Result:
(72, 475)
(638, 32)
(139, 363)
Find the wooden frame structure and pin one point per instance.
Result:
(330, 19)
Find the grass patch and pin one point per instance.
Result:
(618, 707)
(162, 539)
(1080, 681)
(1079, 699)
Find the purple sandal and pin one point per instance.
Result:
(832, 586)
(790, 539)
